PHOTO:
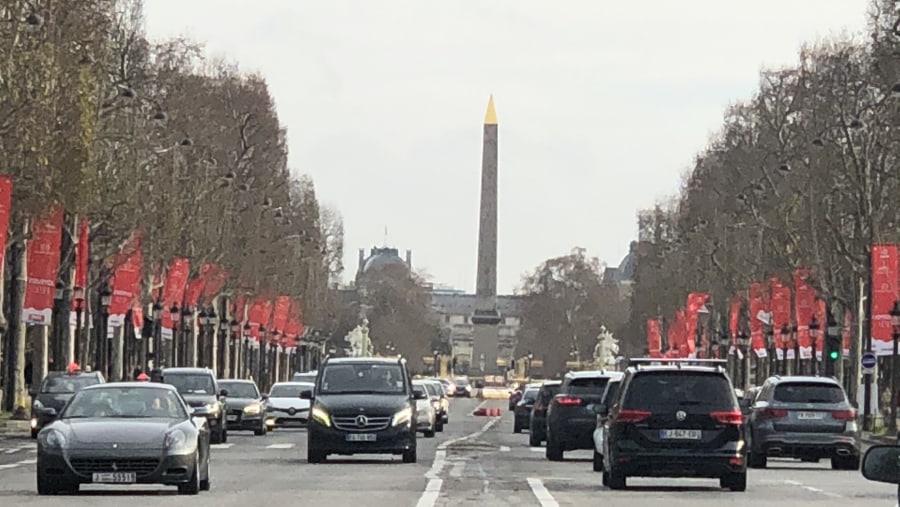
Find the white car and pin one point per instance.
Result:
(284, 408)
(609, 395)
(426, 415)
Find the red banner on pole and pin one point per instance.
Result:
(125, 283)
(780, 304)
(695, 301)
(215, 280)
(804, 307)
(848, 323)
(653, 338)
(5, 198)
(822, 319)
(280, 313)
(173, 291)
(757, 311)
(42, 257)
(884, 292)
(734, 313)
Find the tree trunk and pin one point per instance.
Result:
(40, 352)
(226, 338)
(20, 392)
(117, 363)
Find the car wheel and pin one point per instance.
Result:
(316, 456)
(409, 455)
(192, 486)
(598, 461)
(534, 440)
(260, 432)
(439, 427)
(616, 479)
(554, 450)
(845, 463)
(223, 437)
(34, 432)
(757, 460)
(516, 427)
(734, 482)
(429, 433)
(604, 478)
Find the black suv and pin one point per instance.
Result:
(570, 421)
(675, 418)
(201, 392)
(362, 405)
(56, 390)
(537, 425)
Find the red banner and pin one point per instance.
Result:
(884, 292)
(757, 310)
(173, 290)
(822, 320)
(804, 306)
(215, 280)
(258, 315)
(195, 287)
(848, 323)
(653, 338)
(125, 283)
(695, 301)
(780, 304)
(734, 314)
(5, 196)
(280, 313)
(42, 257)
(137, 319)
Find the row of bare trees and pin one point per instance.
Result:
(804, 173)
(153, 136)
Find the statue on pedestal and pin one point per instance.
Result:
(360, 343)
(606, 349)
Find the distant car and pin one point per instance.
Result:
(245, 407)
(200, 391)
(441, 402)
(426, 414)
(515, 395)
(881, 463)
(807, 418)
(54, 392)
(570, 423)
(537, 424)
(449, 387)
(675, 418)
(462, 388)
(601, 408)
(124, 433)
(522, 410)
(285, 408)
(309, 376)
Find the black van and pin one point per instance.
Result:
(362, 405)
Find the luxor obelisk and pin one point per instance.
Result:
(486, 317)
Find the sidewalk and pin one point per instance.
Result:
(13, 428)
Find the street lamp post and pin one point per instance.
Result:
(895, 334)
(105, 298)
(78, 295)
(235, 343)
(434, 356)
(246, 353)
(157, 334)
(175, 319)
(187, 329)
(528, 369)
(203, 320)
(224, 361)
(785, 338)
(813, 338)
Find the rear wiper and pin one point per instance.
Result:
(690, 402)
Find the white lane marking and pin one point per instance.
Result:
(221, 446)
(504, 448)
(811, 489)
(480, 405)
(433, 486)
(10, 465)
(536, 449)
(540, 492)
(458, 468)
(12, 451)
(28, 462)
(280, 446)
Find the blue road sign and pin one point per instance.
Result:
(867, 360)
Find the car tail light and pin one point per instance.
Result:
(562, 399)
(632, 416)
(727, 416)
(772, 413)
(844, 415)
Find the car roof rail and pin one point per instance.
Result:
(679, 362)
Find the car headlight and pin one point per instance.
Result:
(54, 440)
(321, 416)
(403, 416)
(468, 388)
(178, 443)
(212, 408)
(252, 409)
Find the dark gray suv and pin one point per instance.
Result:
(807, 418)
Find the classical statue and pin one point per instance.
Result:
(606, 349)
(360, 343)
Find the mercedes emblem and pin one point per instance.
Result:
(362, 421)
(680, 415)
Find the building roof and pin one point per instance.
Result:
(380, 258)
(464, 304)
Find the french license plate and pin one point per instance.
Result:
(680, 434)
(810, 416)
(360, 437)
(114, 478)
(231, 418)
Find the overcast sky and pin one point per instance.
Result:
(601, 106)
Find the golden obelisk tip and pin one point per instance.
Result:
(490, 116)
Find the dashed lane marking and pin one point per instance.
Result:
(812, 489)
(221, 446)
(280, 446)
(541, 493)
(536, 449)
(504, 448)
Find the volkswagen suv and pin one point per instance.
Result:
(362, 405)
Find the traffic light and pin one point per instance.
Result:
(833, 350)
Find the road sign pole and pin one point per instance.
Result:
(867, 361)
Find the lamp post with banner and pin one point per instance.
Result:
(105, 299)
(78, 296)
(895, 336)
(813, 339)
(175, 319)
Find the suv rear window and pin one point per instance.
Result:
(809, 392)
(655, 390)
(530, 394)
(590, 385)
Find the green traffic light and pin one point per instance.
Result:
(833, 354)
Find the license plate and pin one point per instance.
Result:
(360, 437)
(680, 434)
(114, 478)
(807, 416)
(231, 418)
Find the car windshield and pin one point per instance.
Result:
(62, 384)
(191, 384)
(530, 394)
(239, 389)
(304, 377)
(365, 378)
(656, 390)
(809, 392)
(590, 385)
(127, 402)
(290, 390)
(433, 388)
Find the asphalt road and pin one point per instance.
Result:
(475, 461)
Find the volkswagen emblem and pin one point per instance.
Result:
(680, 415)
(362, 421)
(292, 411)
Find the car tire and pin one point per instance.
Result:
(757, 460)
(409, 455)
(735, 482)
(604, 478)
(598, 461)
(34, 432)
(50, 486)
(845, 463)
(430, 433)
(534, 440)
(261, 432)
(516, 427)
(439, 427)
(554, 451)
(616, 480)
(316, 456)
(192, 486)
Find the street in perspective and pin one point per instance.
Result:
(657, 253)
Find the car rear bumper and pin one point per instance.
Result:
(169, 470)
(574, 435)
(393, 440)
(806, 445)
(245, 422)
(680, 465)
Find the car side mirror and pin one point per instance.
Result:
(882, 464)
(223, 393)
(306, 395)
(419, 395)
(264, 397)
(50, 412)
